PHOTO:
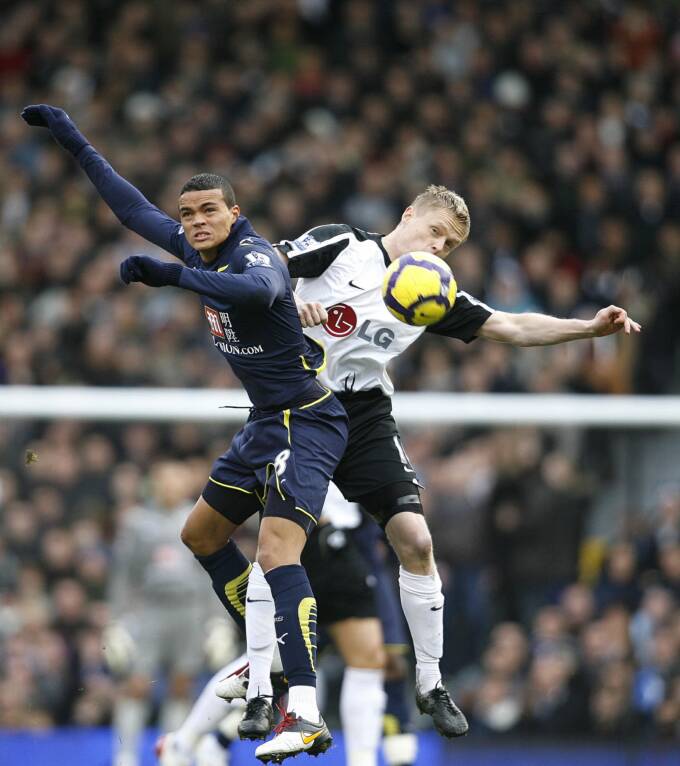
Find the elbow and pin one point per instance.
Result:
(262, 299)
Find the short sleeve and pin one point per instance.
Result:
(464, 320)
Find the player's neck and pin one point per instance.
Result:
(391, 245)
(208, 256)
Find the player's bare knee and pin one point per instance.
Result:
(192, 539)
(271, 551)
(377, 657)
(395, 667)
(415, 554)
(280, 543)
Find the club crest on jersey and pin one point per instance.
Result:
(342, 320)
(257, 259)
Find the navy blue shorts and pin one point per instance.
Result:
(280, 463)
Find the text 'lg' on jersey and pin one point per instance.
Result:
(343, 268)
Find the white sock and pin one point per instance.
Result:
(423, 604)
(173, 711)
(302, 702)
(209, 709)
(362, 702)
(129, 720)
(260, 633)
(400, 749)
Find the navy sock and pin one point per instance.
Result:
(229, 569)
(295, 621)
(397, 718)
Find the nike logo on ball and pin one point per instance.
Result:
(257, 600)
(436, 608)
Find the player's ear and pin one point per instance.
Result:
(235, 213)
(408, 213)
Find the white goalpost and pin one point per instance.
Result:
(424, 408)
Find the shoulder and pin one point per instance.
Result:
(315, 238)
(254, 251)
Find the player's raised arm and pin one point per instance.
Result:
(542, 330)
(259, 285)
(129, 205)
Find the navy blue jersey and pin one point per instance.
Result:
(246, 294)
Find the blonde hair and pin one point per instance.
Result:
(440, 196)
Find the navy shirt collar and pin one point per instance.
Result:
(241, 229)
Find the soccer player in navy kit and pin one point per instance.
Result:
(281, 461)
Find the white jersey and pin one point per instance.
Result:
(343, 268)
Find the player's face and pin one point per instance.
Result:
(429, 229)
(207, 220)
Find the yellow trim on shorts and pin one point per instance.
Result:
(231, 486)
(302, 510)
(286, 422)
(223, 268)
(316, 401)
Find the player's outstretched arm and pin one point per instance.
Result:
(257, 287)
(543, 330)
(129, 205)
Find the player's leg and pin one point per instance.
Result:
(376, 472)
(133, 703)
(422, 601)
(208, 715)
(345, 589)
(228, 499)
(130, 715)
(420, 591)
(296, 489)
(183, 642)
(362, 698)
(400, 744)
(262, 673)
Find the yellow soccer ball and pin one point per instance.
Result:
(419, 288)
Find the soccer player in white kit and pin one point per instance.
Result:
(340, 271)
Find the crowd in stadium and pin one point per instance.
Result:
(560, 130)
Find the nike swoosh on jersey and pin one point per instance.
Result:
(307, 738)
(351, 284)
(436, 608)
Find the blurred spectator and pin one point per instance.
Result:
(152, 573)
(619, 581)
(559, 128)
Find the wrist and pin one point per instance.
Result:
(73, 141)
(172, 273)
(590, 328)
